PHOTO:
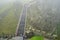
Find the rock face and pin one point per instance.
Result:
(17, 38)
(14, 38)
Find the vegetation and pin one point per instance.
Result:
(42, 21)
(37, 38)
(9, 19)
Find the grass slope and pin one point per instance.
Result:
(9, 23)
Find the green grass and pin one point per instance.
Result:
(5, 7)
(9, 23)
(37, 38)
(58, 30)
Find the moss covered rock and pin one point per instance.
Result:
(37, 38)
